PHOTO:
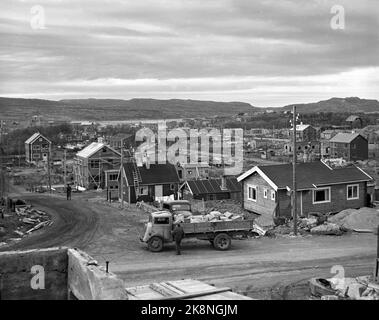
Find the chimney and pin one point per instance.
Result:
(147, 163)
(100, 140)
(223, 183)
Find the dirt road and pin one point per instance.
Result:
(263, 268)
(74, 223)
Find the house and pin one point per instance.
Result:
(37, 148)
(354, 121)
(91, 163)
(211, 189)
(124, 139)
(149, 182)
(349, 146)
(305, 133)
(320, 188)
(192, 171)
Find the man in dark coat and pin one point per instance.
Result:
(178, 235)
(68, 190)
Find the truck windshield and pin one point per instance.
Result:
(181, 207)
(162, 220)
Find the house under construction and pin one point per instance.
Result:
(91, 164)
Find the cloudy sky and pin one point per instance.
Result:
(265, 52)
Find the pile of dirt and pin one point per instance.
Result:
(355, 219)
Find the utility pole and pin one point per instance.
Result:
(64, 168)
(121, 177)
(48, 170)
(294, 202)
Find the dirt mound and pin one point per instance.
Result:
(363, 218)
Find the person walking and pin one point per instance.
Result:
(68, 191)
(178, 234)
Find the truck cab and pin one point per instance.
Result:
(158, 230)
(178, 207)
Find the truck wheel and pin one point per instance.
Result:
(222, 242)
(155, 244)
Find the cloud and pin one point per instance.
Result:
(218, 49)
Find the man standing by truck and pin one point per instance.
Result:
(178, 234)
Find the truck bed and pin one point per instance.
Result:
(216, 226)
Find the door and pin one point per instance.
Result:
(158, 191)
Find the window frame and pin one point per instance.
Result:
(248, 192)
(320, 189)
(265, 193)
(347, 191)
(273, 195)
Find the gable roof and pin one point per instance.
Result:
(92, 149)
(156, 174)
(308, 175)
(210, 186)
(343, 137)
(34, 137)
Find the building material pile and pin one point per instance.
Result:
(360, 288)
(357, 219)
(25, 221)
(212, 216)
(216, 216)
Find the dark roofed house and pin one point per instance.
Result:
(149, 182)
(320, 188)
(211, 189)
(349, 146)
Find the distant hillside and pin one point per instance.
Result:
(113, 109)
(349, 105)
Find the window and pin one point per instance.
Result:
(172, 186)
(94, 163)
(321, 195)
(352, 191)
(113, 177)
(162, 220)
(273, 195)
(265, 193)
(36, 147)
(252, 193)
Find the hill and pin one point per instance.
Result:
(338, 105)
(114, 109)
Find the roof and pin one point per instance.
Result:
(120, 136)
(308, 175)
(92, 149)
(211, 186)
(156, 174)
(301, 127)
(352, 118)
(345, 137)
(34, 137)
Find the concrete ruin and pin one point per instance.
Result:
(56, 274)
(71, 274)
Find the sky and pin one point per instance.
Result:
(265, 52)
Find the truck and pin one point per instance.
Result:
(218, 233)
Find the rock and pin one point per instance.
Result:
(327, 229)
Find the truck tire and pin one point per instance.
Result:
(222, 242)
(155, 244)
